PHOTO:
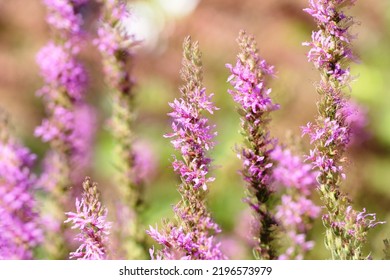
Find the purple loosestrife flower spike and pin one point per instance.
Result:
(346, 229)
(20, 230)
(192, 235)
(296, 213)
(248, 78)
(116, 46)
(63, 93)
(90, 219)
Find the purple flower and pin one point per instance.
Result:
(192, 136)
(73, 129)
(296, 212)
(355, 116)
(115, 44)
(63, 17)
(178, 244)
(90, 219)
(293, 212)
(60, 70)
(191, 237)
(249, 80)
(192, 133)
(296, 215)
(20, 230)
(291, 172)
(145, 164)
(330, 52)
(331, 45)
(249, 89)
(64, 76)
(64, 94)
(59, 128)
(65, 81)
(82, 138)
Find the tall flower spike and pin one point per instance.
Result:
(115, 46)
(90, 219)
(346, 229)
(192, 235)
(296, 180)
(20, 230)
(65, 85)
(248, 78)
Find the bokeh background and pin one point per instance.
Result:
(280, 27)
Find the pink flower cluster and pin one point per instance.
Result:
(69, 127)
(192, 236)
(179, 244)
(248, 78)
(296, 211)
(331, 50)
(192, 137)
(63, 17)
(330, 45)
(90, 218)
(61, 72)
(20, 230)
(251, 93)
(115, 44)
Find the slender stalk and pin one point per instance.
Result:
(115, 46)
(191, 236)
(63, 94)
(331, 51)
(248, 77)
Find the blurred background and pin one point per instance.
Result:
(280, 27)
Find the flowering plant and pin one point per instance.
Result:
(51, 209)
